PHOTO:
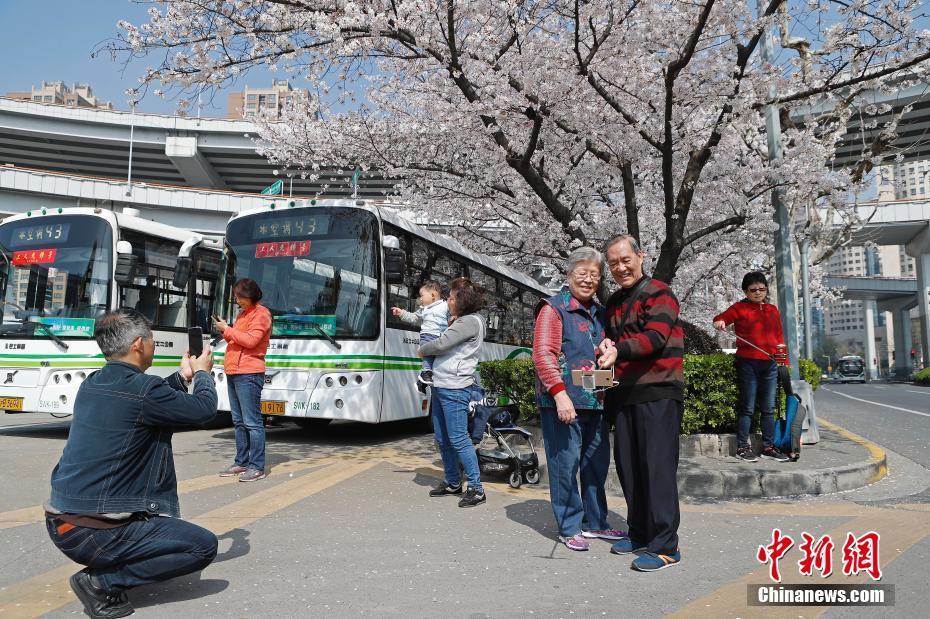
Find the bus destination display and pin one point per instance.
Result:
(283, 249)
(284, 227)
(39, 234)
(34, 256)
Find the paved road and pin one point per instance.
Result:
(343, 528)
(894, 416)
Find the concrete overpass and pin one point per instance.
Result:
(208, 153)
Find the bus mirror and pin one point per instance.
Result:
(395, 262)
(182, 273)
(125, 270)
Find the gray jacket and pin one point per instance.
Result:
(457, 351)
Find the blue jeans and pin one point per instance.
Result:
(428, 361)
(757, 380)
(245, 396)
(138, 553)
(584, 446)
(450, 423)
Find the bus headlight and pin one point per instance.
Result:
(358, 379)
(343, 381)
(63, 399)
(81, 375)
(339, 403)
(329, 381)
(57, 378)
(68, 377)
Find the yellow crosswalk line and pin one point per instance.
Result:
(35, 514)
(49, 591)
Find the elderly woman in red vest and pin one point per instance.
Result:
(569, 327)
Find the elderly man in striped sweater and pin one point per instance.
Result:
(647, 405)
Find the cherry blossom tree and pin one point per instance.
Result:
(537, 127)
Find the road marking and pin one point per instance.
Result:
(49, 591)
(897, 408)
(35, 514)
(877, 453)
(920, 392)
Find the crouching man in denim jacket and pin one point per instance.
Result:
(114, 502)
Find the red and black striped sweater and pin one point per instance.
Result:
(650, 350)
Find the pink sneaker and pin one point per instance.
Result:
(611, 534)
(575, 542)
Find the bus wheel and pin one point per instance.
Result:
(311, 423)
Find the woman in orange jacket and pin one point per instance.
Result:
(244, 364)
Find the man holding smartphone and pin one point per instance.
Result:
(114, 502)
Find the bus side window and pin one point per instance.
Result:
(151, 292)
(511, 318)
(492, 306)
(404, 295)
(206, 269)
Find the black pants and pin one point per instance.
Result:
(646, 454)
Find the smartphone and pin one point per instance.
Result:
(195, 341)
(592, 379)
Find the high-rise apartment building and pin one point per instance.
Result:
(267, 102)
(57, 92)
(904, 180)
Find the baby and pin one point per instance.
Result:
(432, 318)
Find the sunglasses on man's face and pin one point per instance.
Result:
(756, 290)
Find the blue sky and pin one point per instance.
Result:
(53, 40)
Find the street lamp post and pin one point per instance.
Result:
(784, 272)
(132, 132)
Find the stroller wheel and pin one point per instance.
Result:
(532, 476)
(515, 480)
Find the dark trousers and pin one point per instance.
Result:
(758, 383)
(646, 454)
(138, 553)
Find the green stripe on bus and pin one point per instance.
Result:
(520, 352)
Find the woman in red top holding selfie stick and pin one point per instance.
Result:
(244, 364)
(759, 345)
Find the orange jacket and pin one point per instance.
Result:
(247, 341)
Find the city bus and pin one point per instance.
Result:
(330, 270)
(61, 268)
(850, 369)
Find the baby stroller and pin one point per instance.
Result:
(501, 445)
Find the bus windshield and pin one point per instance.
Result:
(317, 269)
(56, 271)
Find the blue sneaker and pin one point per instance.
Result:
(625, 546)
(651, 562)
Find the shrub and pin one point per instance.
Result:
(514, 379)
(710, 389)
(710, 394)
(810, 372)
(922, 377)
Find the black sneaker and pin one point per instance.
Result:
(472, 497)
(771, 453)
(745, 454)
(445, 489)
(98, 603)
(426, 377)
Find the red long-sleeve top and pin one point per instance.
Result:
(760, 323)
(547, 346)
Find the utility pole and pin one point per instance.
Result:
(784, 272)
(806, 298)
(132, 132)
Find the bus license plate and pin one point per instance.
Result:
(273, 407)
(11, 404)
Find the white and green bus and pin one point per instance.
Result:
(330, 270)
(61, 268)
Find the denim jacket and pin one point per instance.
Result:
(118, 456)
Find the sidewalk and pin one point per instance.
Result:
(841, 461)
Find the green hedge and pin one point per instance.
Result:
(710, 388)
(922, 377)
